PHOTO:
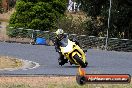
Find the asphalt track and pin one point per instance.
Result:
(102, 62)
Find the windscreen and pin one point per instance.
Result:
(64, 42)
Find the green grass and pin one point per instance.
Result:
(96, 86)
(72, 85)
(10, 85)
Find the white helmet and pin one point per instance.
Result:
(59, 31)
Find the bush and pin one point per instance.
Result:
(38, 15)
(73, 25)
(120, 22)
(1, 9)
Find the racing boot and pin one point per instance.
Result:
(62, 61)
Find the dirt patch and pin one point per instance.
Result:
(8, 62)
(39, 82)
(34, 81)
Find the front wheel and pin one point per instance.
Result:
(79, 61)
(81, 80)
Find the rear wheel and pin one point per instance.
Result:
(79, 61)
(86, 63)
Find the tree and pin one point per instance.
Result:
(121, 17)
(0, 6)
(37, 14)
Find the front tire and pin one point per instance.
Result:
(79, 61)
(81, 80)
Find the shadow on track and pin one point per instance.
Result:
(70, 66)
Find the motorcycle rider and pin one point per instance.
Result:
(59, 36)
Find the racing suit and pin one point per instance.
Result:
(61, 59)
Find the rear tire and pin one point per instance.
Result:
(79, 61)
(86, 63)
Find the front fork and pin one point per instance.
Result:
(74, 53)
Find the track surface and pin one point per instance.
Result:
(103, 62)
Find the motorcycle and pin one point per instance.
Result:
(73, 53)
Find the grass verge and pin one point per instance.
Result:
(8, 62)
(51, 82)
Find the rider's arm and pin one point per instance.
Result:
(57, 47)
